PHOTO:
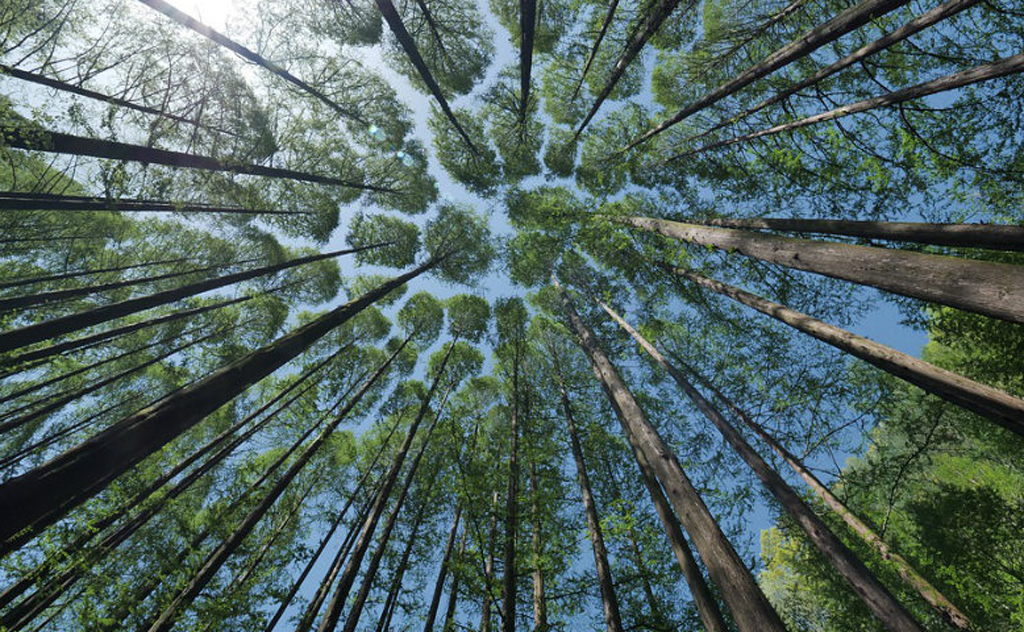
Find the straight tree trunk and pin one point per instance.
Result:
(608, 16)
(397, 26)
(875, 596)
(72, 275)
(64, 325)
(442, 572)
(1007, 66)
(845, 22)
(918, 24)
(41, 496)
(16, 200)
(999, 406)
(56, 84)
(540, 607)
(188, 21)
(943, 606)
(993, 236)
(453, 593)
(609, 602)
(508, 582)
(348, 577)
(485, 606)
(748, 605)
(983, 287)
(652, 23)
(527, 27)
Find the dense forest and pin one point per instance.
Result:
(372, 315)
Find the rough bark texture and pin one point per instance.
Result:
(997, 405)
(875, 596)
(843, 23)
(749, 607)
(984, 287)
(907, 572)
(41, 496)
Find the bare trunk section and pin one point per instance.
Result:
(80, 273)
(41, 496)
(442, 572)
(748, 605)
(993, 236)
(843, 23)
(983, 287)
(508, 582)
(875, 596)
(52, 202)
(485, 606)
(540, 607)
(527, 27)
(945, 608)
(608, 16)
(999, 406)
(453, 593)
(1006, 66)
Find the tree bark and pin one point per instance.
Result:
(943, 606)
(540, 607)
(875, 596)
(39, 497)
(750, 609)
(51, 202)
(983, 287)
(527, 27)
(918, 24)
(999, 406)
(485, 605)
(508, 581)
(188, 21)
(72, 275)
(348, 577)
(64, 325)
(453, 593)
(843, 23)
(609, 602)
(442, 572)
(390, 13)
(994, 236)
(608, 16)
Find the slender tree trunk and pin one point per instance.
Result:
(188, 21)
(485, 606)
(348, 577)
(28, 300)
(945, 608)
(750, 609)
(453, 593)
(609, 602)
(442, 573)
(390, 13)
(370, 574)
(508, 582)
(540, 607)
(527, 27)
(608, 16)
(999, 406)
(983, 287)
(14, 200)
(64, 325)
(846, 21)
(994, 236)
(1006, 66)
(875, 596)
(918, 24)
(72, 275)
(91, 340)
(41, 496)
(56, 84)
(641, 567)
(651, 25)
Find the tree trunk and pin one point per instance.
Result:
(41, 496)
(453, 593)
(846, 21)
(508, 582)
(72, 275)
(485, 606)
(348, 577)
(609, 602)
(1003, 67)
(608, 16)
(1002, 408)
(943, 606)
(750, 609)
(527, 27)
(651, 25)
(188, 21)
(540, 607)
(51, 202)
(994, 236)
(918, 24)
(442, 573)
(91, 94)
(390, 13)
(64, 325)
(983, 287)
(875, 596)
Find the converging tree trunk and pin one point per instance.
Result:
(984, 287)
(80, 273)
(442, 572)
(14, 200)
(485, 605)
(608, 16)
(999, 406)
(527, 27)
(875, 596)
(540, 605)
(749, 607)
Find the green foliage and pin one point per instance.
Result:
(396, 241)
